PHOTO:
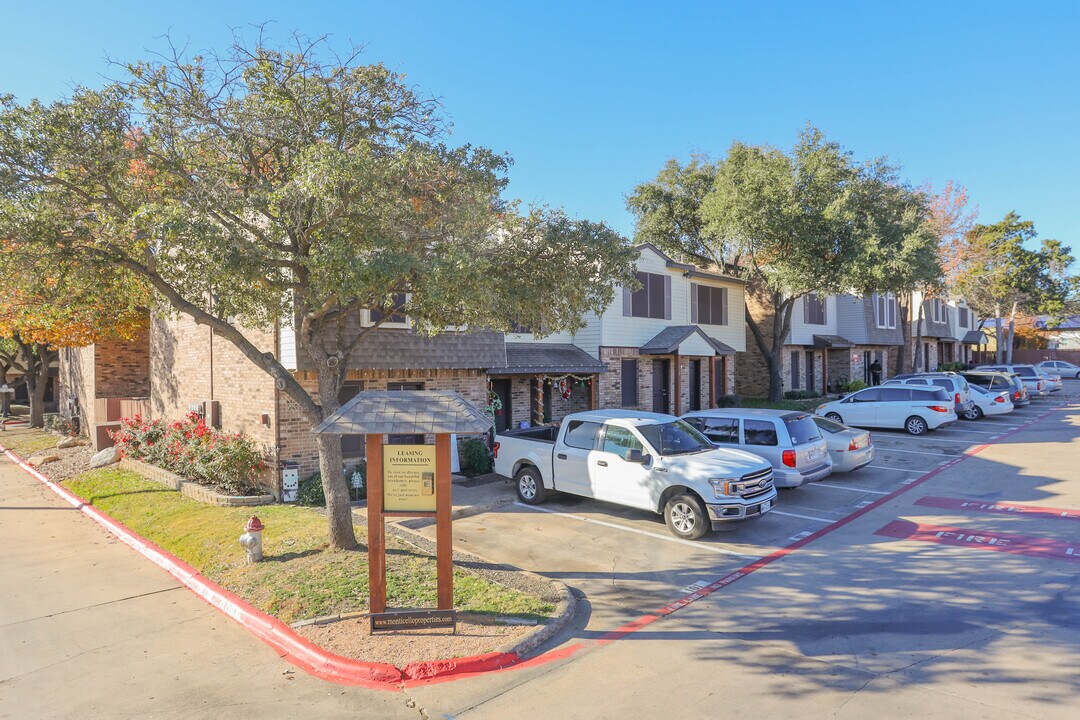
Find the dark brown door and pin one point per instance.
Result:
(695, 385)
(501, 387)
(661, 376)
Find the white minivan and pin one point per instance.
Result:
(911, 408)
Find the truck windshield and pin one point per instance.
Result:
(675, 438)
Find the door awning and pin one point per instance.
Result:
(685, 340)
(974, 337)
(832, 342)
(538, 358)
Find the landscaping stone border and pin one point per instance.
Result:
(194, 490)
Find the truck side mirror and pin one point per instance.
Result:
(636, 456)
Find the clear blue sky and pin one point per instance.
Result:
(591, 98)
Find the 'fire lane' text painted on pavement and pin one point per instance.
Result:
(1004, 508)
(1001, 542)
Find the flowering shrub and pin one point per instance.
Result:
(192, 450)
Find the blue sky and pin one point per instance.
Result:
(591, 98)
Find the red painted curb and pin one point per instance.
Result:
(289, 645)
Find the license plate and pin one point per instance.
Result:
(766, 506)
(814, 454)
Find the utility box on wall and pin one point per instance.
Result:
(290, 482)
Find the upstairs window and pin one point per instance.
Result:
(394, 317)
(708, 305)
(814, 309)
(885, 311)
(937, 310)
(963, 313)
(653, 300)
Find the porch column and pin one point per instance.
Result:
(592, 391)
(825, 371)
(712, 380)
(536, 405)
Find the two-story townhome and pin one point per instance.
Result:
(939, 344)
(965, 329)
(872, 323)
(667, 346)
(813, 351)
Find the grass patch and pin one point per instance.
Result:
(803, 405)
(24, 442)
(300, 577)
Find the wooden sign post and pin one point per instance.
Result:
(409, 481)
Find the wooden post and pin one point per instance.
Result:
(678, 383)
(537, 409)
(592, 391)
(444, 536)
(825, 371)
(375, 530)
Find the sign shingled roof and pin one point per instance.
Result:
(406, 412)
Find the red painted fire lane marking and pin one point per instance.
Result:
(1001, 508)
(1000, 542)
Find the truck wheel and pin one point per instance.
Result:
(530, 486)
(685, 517)
(915, 425)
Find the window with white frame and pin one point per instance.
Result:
(937, 310)
(393, 317)
(885, 311)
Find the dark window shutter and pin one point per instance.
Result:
(723, 306)
(694, 303)
(667, 297)
(824, 310)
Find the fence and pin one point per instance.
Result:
(1025, 357)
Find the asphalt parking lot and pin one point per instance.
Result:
(628, 569)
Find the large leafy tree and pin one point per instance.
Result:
(271, 185)
(788, 222)
(999, 269)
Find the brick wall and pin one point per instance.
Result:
(76, 378)
(752, 374)
(296, 442)
(122, 367)
(611, 382)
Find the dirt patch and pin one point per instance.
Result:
(475, 635)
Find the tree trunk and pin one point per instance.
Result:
(997, 335)
(1012, 335)
(772, 348)
(37, 400)
(331, 468)
(905, 333)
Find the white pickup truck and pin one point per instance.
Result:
(642, 460)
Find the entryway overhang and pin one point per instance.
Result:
(685, 340)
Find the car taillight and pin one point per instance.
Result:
(999, 399)
(852, 446)
(939, 408)
(1038, 386)
(957, 397)
(495, 450)
(1016, 395)
(789, 458)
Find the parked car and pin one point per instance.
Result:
(1037, 386)
(790, 441)
(1011, 382)
(850, 449)
(642, 460)
(989, 402)
(1060, 367)
(913, 409)
(954, 383)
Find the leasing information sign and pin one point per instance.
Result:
(409, 478)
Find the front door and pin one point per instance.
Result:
(867, 361)
(695, 385)
(503, 416)
(661, 377)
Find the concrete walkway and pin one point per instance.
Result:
(89, 629)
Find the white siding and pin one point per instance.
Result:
(287, 347)
(803, 334)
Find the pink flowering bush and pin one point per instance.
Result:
(193, 451)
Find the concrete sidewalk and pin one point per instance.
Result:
(89, 629)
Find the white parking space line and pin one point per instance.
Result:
(801, 517)
(849, 489)
(916, 452)
(920, 439)
(990, 423)
(616, 526)
(960, 429)
(886, 467)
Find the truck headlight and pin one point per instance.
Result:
(722, 487)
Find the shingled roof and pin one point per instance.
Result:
(974, 337)
(670, 338)
(537, 358)
(406, 412)
(832, 342)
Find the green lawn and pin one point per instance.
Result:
(24, 442)
(300, 577)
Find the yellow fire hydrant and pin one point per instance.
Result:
(251, 540)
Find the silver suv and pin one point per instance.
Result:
(953, 383)
(790, 441)
(1037, 384)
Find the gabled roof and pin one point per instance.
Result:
(690, 270)
(533, 358)
(668, 340)
(406, 412)
(974, 337)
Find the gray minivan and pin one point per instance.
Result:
(790, 441)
